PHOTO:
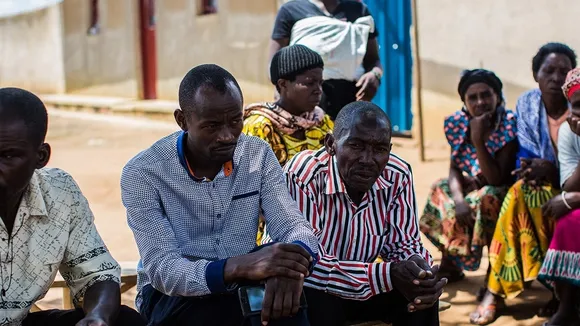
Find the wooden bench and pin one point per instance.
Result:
(128, 281)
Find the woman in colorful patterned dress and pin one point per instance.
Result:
(522, 232)
(561, 266)
(295, 122)
(461, 211)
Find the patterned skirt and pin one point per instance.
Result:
(562, 262)
(520, 240)
(462, 246)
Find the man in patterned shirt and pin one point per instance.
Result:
(360, 201)
(193, 201)
(47, 226)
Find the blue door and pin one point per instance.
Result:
(393, 23)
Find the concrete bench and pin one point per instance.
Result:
(128, 281)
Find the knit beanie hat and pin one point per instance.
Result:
(293, 60)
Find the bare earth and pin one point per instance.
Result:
(94, 149)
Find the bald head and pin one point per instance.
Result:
(361, 112)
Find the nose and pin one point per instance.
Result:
(559, 78)
(226, 136)
(366, 157)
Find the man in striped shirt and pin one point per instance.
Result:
(361, 203)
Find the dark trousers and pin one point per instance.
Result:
(219, 310)
(336, 93)
(127, 316)
(328, 310)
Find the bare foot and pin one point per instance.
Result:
(486, 311)
(550, 308)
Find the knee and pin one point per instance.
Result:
(129, 316)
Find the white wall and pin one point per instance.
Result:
(31, 51)
(501, 35)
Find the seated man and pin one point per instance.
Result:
(48, 226)
(193, 202)
(361, 202)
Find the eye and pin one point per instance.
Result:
(356, 146)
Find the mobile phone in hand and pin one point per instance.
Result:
(251, 298)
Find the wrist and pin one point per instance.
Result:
(233, 270)
(458, 200)
(573, 199)
(378, 72)
(379, 275)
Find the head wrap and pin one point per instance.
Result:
(470, 77)
(572, 83)
(293, 60)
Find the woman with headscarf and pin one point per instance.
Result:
(461, 211)
(561, 266)
(522, 232)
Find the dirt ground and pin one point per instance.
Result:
(94, 148)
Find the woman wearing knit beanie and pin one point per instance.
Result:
(294, 122)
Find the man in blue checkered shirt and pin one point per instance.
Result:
(193, 201)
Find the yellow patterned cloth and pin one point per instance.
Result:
(521, 239)
(285, 146)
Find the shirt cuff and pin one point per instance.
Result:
(314, 257)
(379, 275)
(214, 276)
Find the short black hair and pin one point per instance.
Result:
(210, 75)
(21, 105)
(549, 48)
(358, 109)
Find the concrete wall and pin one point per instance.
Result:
(236, 37)
(31, 51)
(107, 63)
(499, 35)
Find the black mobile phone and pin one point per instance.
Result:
(251, 298)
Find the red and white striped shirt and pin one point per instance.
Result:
(351, 237)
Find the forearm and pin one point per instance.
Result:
(350, 279)
(573, 182)
(103, 300)
(489, 166)
(456, 181)
(178, 276)
(573, 199)
(372, 59)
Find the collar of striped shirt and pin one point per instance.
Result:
(357, 243)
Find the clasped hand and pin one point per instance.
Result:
(417, 282)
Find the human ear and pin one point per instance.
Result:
(179, 116)
(43, 155)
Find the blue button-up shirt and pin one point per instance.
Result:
(186, 229)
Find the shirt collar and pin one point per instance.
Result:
(335, 184)
(227, 168)
(32, 203)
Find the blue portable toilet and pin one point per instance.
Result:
(393, 22)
